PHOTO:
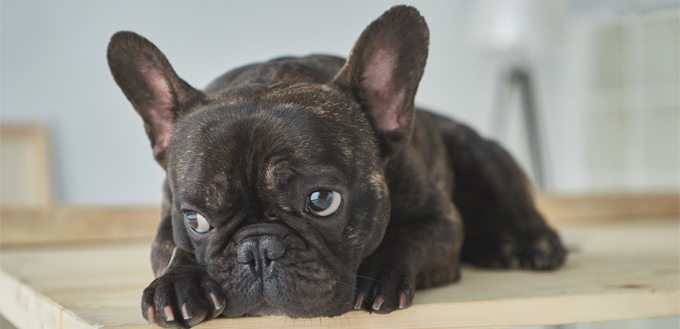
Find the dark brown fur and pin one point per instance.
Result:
(420, 192)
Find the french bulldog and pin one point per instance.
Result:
(310, 186)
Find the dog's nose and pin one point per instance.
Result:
(259, 252)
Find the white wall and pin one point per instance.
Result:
(53, 69)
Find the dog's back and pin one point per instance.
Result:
(310, 69)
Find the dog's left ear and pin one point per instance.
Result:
(149, 82)
(384, 70)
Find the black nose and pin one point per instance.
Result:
(259, 252)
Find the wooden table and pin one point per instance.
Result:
(617, 270)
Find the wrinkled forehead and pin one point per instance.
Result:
(233, 148)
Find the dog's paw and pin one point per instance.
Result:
(539, 251)
(384, 288)
(183, 297)
(491, 251)
(544, 252)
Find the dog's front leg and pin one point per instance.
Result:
(418, 251)
(183, 294)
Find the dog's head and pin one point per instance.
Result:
(276, 170)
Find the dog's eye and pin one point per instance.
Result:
(324, 203)
(197, 222)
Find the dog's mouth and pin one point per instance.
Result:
(287, 293)
(265, 309)
(298, 284)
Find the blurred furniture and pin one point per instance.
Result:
(519, 78)
(631, 109)
(25, 166)
(624, 264)
(517, 31)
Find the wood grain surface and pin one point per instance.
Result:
(616, 271)
(68, 224)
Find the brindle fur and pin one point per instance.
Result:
(422, 192)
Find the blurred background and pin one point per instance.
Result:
(584, 93)
(603, 82)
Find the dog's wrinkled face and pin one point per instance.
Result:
(283, 202)
(276, 171)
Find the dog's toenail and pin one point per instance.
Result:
(167, 311)
(186, 314)
(151, 314)
(359, 301)
(402, 300)
(217, 304)
(378, 303)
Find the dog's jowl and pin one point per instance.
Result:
(312, 186)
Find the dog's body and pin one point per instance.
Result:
(308, 186)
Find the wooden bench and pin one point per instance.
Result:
(89, 272)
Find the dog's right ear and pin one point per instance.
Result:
(383, 71)
(151, 85)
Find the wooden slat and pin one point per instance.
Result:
(22, 226)
(620, 271)
(27, 308)
(608, 207)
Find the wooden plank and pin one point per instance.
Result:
(560, 208)
(619, 271)
(22, 226)
(26, 308)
